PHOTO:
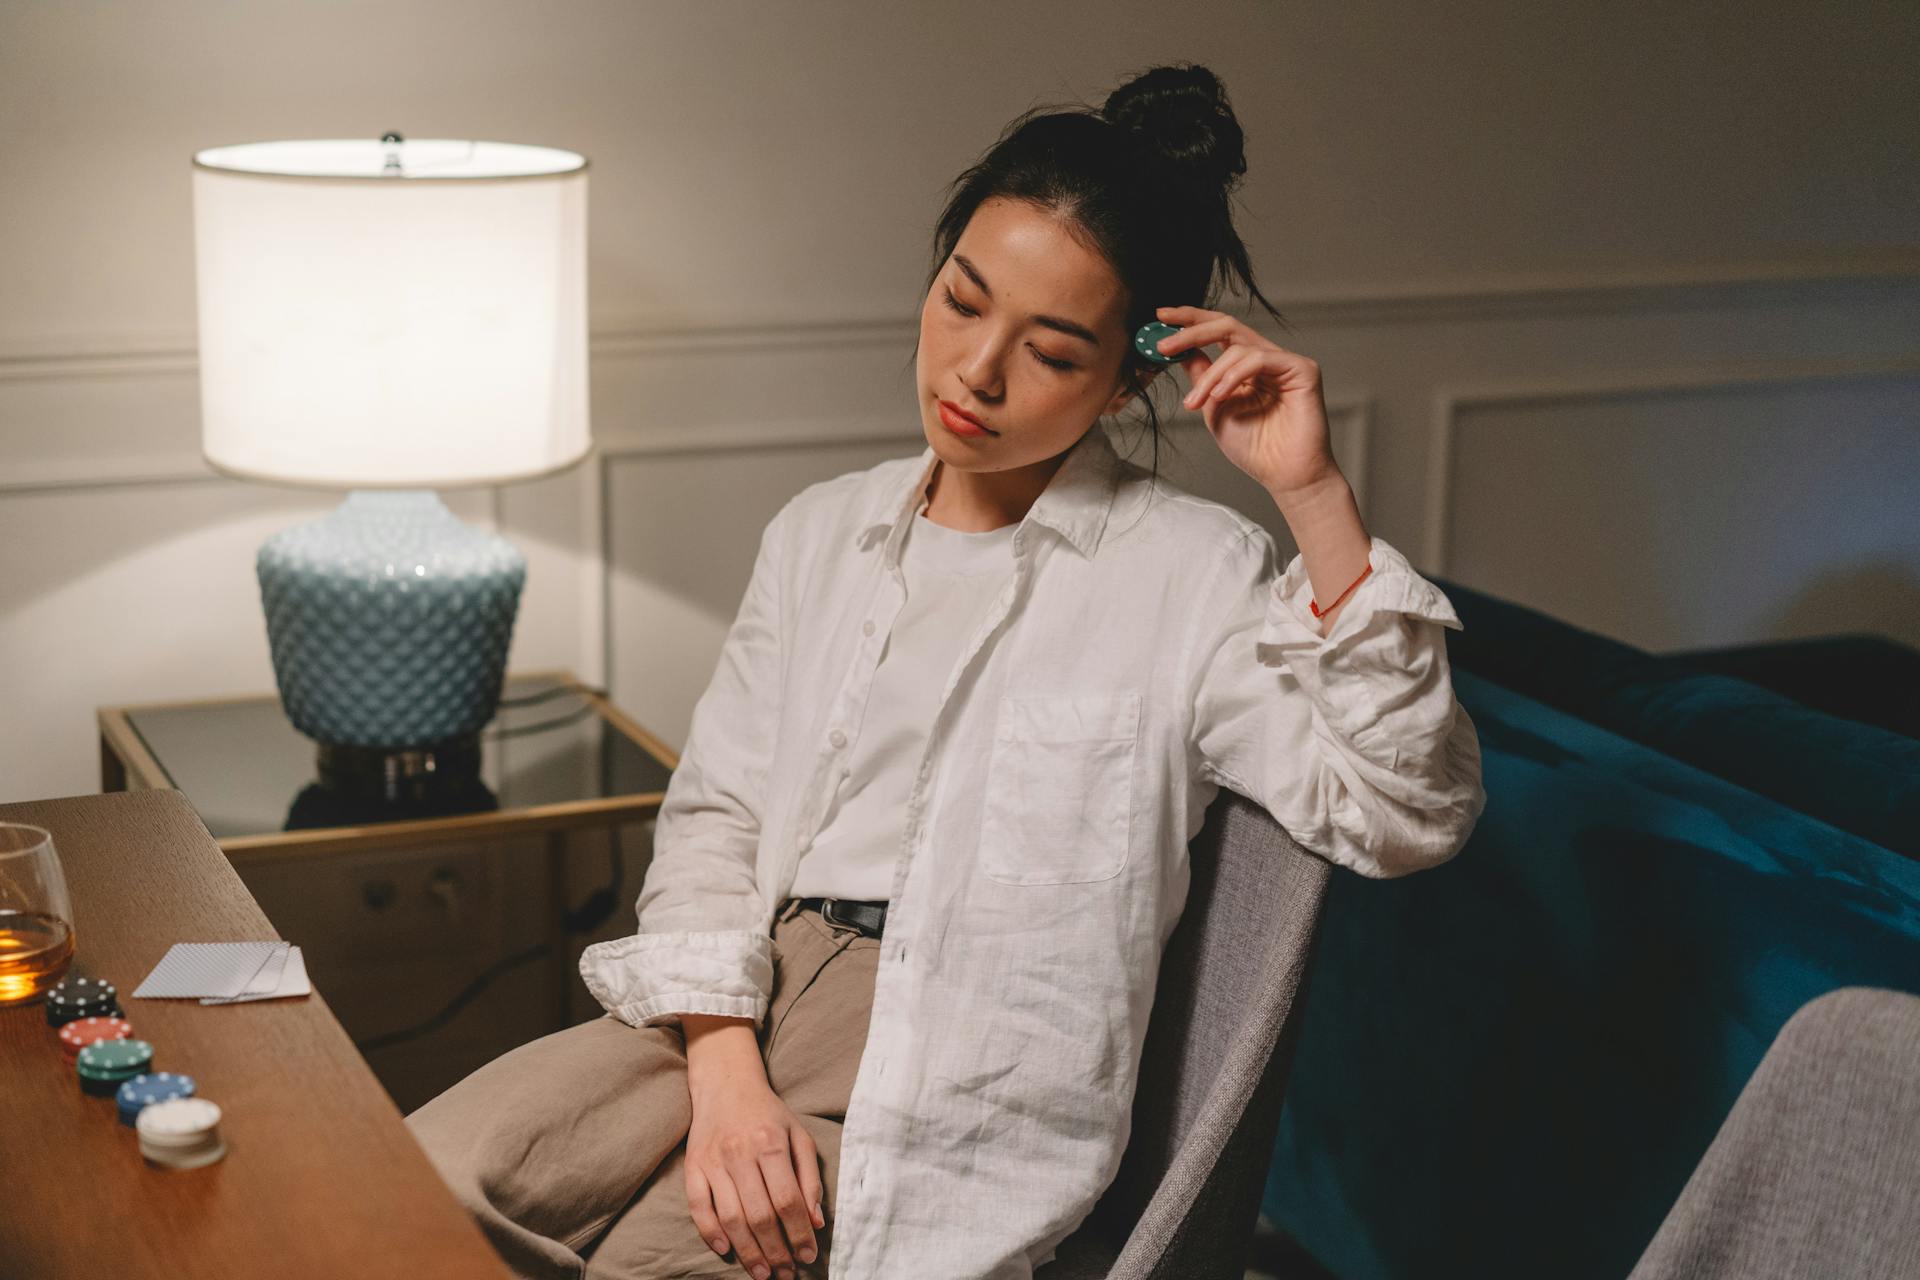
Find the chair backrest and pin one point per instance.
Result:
(1214, 1066)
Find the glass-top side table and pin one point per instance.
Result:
(558, 760)
(556, 757)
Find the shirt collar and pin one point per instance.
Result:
(1075, 503)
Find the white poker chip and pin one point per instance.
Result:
(192, 1159)
(180, 1118)
(181, 1133)
(178, 1142)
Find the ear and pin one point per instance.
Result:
(1125, 394)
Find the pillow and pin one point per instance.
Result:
(1858, 777)
(1854, 675)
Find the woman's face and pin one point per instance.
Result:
(1035, 347)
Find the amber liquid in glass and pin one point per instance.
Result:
(35, 952)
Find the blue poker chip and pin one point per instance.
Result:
(141, 1092)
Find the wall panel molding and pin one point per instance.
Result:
(85, 356)
(1452, 403)
(101, 368)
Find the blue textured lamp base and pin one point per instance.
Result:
(389, 621)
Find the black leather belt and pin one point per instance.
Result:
(869, 918)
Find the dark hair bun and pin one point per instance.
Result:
(1183, 114)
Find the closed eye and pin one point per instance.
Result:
(954, 303)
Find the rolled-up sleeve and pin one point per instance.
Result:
(1353, 741)
(704, 942)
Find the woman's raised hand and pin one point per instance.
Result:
(1262, 402)
(753, 1177)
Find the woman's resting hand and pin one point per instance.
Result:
(752, 1170)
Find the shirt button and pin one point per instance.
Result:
(866, 628)
(837, 738)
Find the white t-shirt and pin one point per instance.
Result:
(951, 578)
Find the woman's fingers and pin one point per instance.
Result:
(806, 1158)
(1239, 377)
(789, 1204)
(1209, 378)
(1184, 315)
(756, 1206)
(1194, 336)
(1203, 382)
(1196, 363)
(1223, 375)
(734, 1217)
(700, 1202)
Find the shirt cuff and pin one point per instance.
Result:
(1394, 585)
(1361, 674)
(650, 979)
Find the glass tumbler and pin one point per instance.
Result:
(36, 915)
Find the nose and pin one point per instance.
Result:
(981, 370)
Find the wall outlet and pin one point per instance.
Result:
(362, 909)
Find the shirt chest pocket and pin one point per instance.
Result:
(1059, 788)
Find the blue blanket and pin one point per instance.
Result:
(1510, 1064)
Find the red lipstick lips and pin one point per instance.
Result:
(962, 423)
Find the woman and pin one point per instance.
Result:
(898, 944)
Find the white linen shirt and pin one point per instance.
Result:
(1143, 654)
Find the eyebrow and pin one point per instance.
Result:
(1067, 327)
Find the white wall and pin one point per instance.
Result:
(1618, 308)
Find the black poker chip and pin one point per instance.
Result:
(81, 998)
(105, 1009)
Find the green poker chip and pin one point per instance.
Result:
(1146, 341)
(107, 1073)
(114, 1059)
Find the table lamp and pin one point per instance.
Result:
(391, 317)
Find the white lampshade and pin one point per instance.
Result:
(391, 314)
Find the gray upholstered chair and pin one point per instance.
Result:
(1816, 1171)
(1214, 1067)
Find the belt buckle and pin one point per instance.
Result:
(827, 913)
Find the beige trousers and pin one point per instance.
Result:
(570, 1150)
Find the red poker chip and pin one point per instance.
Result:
(81, 1032)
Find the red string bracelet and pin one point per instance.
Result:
(1318, 612)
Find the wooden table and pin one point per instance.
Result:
(322, 1178)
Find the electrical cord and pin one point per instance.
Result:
(519, 730)
(458, 1003)
(546, 695)
(590, 915)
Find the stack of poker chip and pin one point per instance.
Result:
(78, 998)
(177, 1128)
(107, 1064)
(81, 1032)
(144, 1091)
(181, 1133)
